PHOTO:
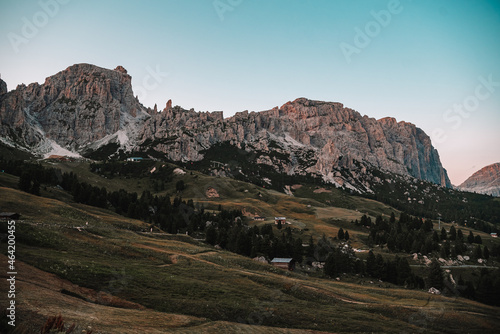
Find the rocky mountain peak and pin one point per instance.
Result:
(388, 121)
(74, 108)
(303, 108)
(120, 68)
(168, 106)
(484, 181)
(3, 87)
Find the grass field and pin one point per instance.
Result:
(110, 274)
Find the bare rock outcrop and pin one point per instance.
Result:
(484, 181)
(3, 87)
(211, 193)
(121, 69)
(168, 106)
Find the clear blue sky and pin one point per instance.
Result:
(233, 55)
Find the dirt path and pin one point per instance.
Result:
(39, 296)
(293, 281)
(175, 257)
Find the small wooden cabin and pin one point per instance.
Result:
(283, 263)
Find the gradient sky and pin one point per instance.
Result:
(427, 63)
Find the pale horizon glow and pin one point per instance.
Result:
(421, 64)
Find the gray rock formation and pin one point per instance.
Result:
(85, 107)
(3, 87)
(324, 133)
(75, 108)
(484, 181)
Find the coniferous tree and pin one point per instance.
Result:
(470, 238)
(478, 253)
(488, 288)
(35, 188)
(340, 234)
(211, 235)
(446, 248)
(370, 264)
(486, 252)
(310, 249)
(477, 239)
(435, 237)
(453, 233)
(459, 247)
(379, 266)
(453, 252)
(391, 243)
(428, 246)
(330, 267)
(443, 253)
(460, 235)
(443, 234)
(346, 235)
(366, 221)
(24, 182)
(404, 273)
(435, 278)
(359, 267)
(428, 225)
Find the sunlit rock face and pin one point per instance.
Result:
(85, 107)
(484, 181)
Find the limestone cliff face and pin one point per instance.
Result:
(74, 108)
(326, 133)
(484, 181)
(3, 87)
(85, 107)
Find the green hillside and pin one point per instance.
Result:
(108, 258)
(174, 274)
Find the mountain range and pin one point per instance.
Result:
(85, 108)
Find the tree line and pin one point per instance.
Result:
(414, 235)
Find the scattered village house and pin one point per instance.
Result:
(284, 263)
(280, 219)
(259, 218)
(135, 159)
(60, 158)
(494, 235)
